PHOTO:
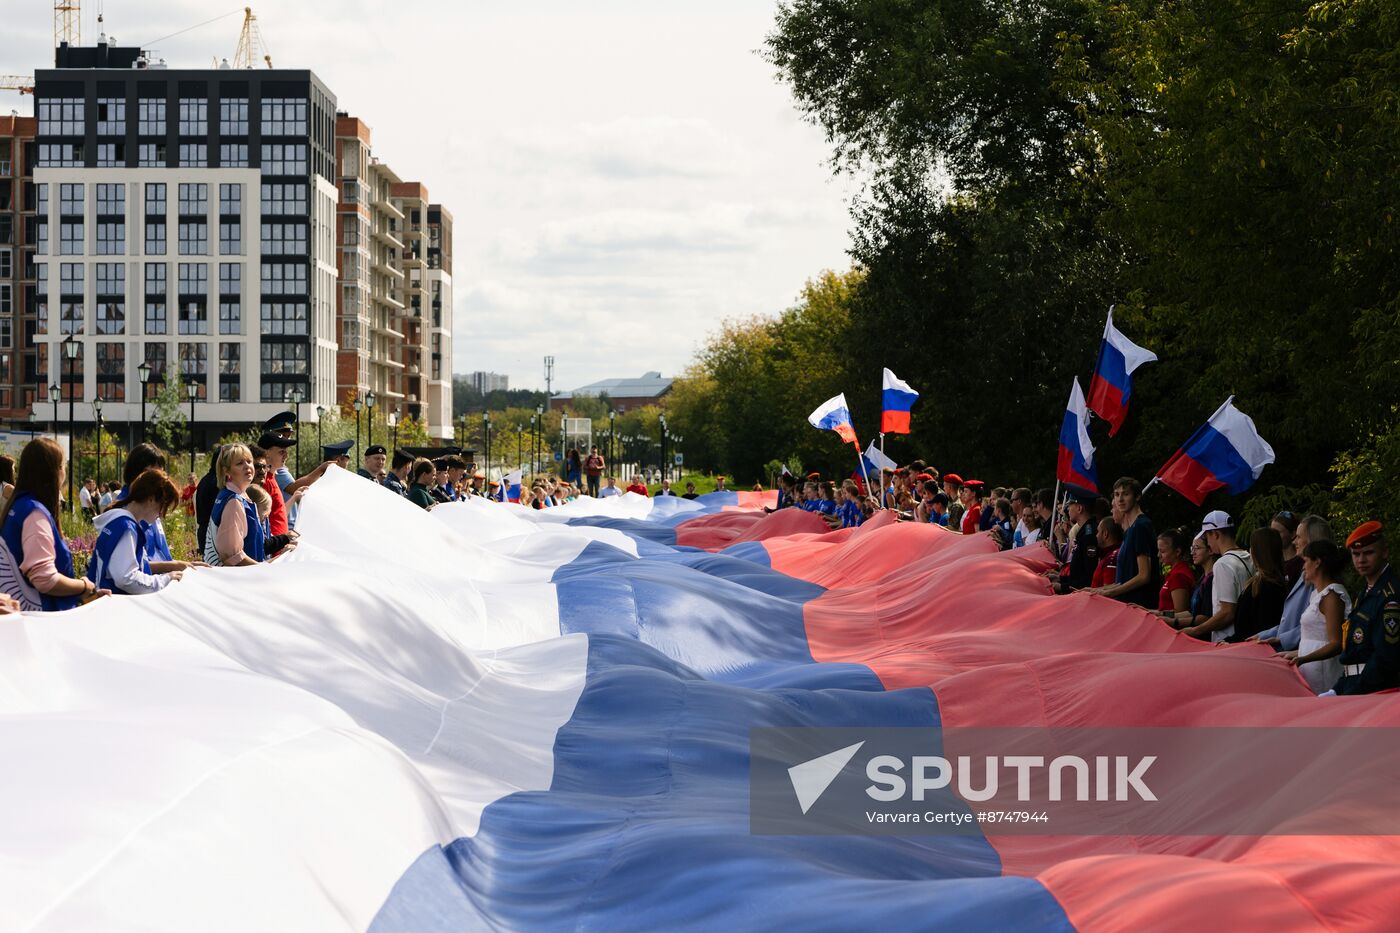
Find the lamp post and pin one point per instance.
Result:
(192, 389)
(519, 444)
(54, 391)
(612, 432)
(486, 441)
(534, 419)
(297, 394)
(662, 420)
(359, 407)
(539, 434)
(144, 372)
(97, 416)
(393, 420)
(320, 416)
(71, 348)
(370, 399)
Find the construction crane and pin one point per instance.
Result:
(251, 47)
(67, 23)
(22, 83)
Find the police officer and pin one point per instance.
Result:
(337, 453)
(1371, 634)
(397, 477)
(283, 423)
(1078, 570)
(375, 455)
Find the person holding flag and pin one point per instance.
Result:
(1112, 384)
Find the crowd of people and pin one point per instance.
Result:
(1284, 587)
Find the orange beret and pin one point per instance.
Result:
(1365, 533)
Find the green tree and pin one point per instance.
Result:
(168, 417)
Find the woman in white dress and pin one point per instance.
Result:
(1320, 644)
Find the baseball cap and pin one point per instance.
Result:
(1215, 521)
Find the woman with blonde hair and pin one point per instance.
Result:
(37, 566)
(235, 537)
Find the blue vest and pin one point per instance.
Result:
(157, 547)
(253, 538)
(24, 505)
(112, 535)
(826, 506)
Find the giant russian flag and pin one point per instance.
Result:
(524, 720)
(1225, 452)
(834, 415)
(1075, 465)
(1112, 384)
(897, 398)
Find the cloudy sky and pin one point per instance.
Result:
(623, 174)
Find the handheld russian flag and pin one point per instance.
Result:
(1226, 452)
(1076, 461)
(511, 482)
(897, 399)
(1113, 383)
(874, 461)
(833, 415)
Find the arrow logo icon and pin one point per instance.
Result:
(811, 778)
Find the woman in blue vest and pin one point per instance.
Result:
(235, 536)
(145, 457)
(121, 555)
(37, 566)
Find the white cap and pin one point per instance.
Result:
(1215, 521)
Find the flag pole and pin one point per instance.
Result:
(883, 503)
(860, 458)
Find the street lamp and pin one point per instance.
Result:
(71, 349)
(54, 391)
(192, 389)
(320, 416)
(534, 420)
(297, 394)
(97, 416)
(359, 407)
(539, 434)
(486, 439)
(612, 432)
(144, 372)
(370, 399)
(393, 420)
(662, 420)
(519, 444)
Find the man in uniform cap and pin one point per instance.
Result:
(397, 477)
(281, 423)
(337, 453)
(375, 456)
(439, 490)
(1371, 634)
(1082, 544)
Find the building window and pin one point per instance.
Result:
(233, 117)
(230, 360)
(150, 115)
(41, 199)
(194, 200)
(41, 300)
(283, 318)
(111, 155)
(352, 192)
(283, 159)
(230, 238)
(194, 366)
(155, 199)
(230, 298)
(7, 303)
(7, 264)
(194, 298)
(70, 200)
(70, 238)
(284, 198)
(194, 117)
(156, 359)
(231, 199)
(60, 155)
(283, 117)
(111, 372)
(194, 155)
(70, 297)
(284, 279)
(111, 199)
(155, 298)
(280, 359)
(349, 335)
(111, 116)
(61, 116)
(194, 239)
(41, 238)
(284, 239)
(111, 239)
(155, 237)
(151, 155)
(233, 155)
(111, 297)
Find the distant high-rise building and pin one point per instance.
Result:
(22, 381)
(488, 382)
(186, 219)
